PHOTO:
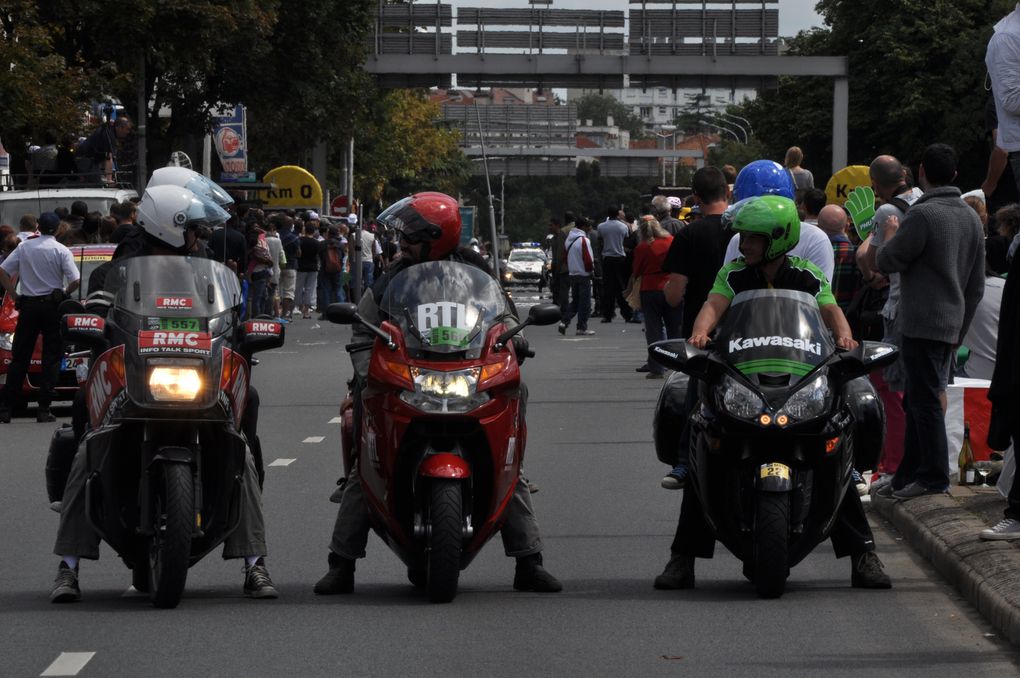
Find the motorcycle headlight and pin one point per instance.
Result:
(809, 401)
(174, 383)
(7, 341)
(739, 400)
(436, 391)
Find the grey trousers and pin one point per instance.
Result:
(520, 533)
(75, 536)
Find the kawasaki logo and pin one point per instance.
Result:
(740, 344)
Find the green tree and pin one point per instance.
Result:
(40, 90)
(401, 148)
(916, 72)
(597, 108)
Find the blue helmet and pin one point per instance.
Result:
(763, 177)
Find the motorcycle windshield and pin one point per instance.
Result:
(172, 285)
(444, 306)
(774, 332)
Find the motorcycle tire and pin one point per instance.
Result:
(771, 544)
(446, 536)
(170, 545)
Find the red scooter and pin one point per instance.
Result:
(439, 435)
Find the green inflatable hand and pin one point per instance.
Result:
(861, 206)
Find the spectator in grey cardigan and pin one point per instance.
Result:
(939, 253)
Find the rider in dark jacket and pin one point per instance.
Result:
(429, 227)
(162, 231)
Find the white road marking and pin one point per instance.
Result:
(283, 462)
(68, 664)
(314, 439)
(336, 420)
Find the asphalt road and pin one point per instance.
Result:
(607, 527)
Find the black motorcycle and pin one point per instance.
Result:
(781, 415)
(166, 394)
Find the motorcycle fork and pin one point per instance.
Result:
(152, 455)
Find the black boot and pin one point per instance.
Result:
(867, 573)
(531, 576)
(339, 579)
(44, 416)
(679, 574)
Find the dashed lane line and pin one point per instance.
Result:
(68, 664)
(314, 439)
(283, 462)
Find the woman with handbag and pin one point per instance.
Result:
(662, 321)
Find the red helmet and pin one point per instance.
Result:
(430, 218)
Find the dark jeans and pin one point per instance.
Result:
(331, 288)
(37, 315)
(560, 288)
(615, 273)
(850, 535)
(257, 293)
(580, 301)
(925, 451)
(662, 321)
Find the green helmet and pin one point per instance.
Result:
(774, 217)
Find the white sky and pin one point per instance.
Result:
(794, 15)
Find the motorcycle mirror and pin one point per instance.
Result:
(261, 335)
(867, 357)
(342, 313)
(347, 314)
(677, 354)
(544, 314)
(70, 306)
(84, 329)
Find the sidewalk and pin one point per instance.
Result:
(944, 529)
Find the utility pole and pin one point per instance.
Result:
(141, 168)
(355, 230)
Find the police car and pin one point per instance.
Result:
(527, 263)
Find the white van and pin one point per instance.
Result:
(15, 204)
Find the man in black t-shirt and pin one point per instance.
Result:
(697, 252)
(229, 246)
(1000, 184)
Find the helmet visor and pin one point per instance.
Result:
(408, 223)
(207, 188)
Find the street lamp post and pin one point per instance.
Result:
(667, 132)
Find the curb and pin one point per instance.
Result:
(986, 573)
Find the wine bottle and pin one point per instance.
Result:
(966, 459)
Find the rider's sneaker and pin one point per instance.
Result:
(675, 479)
(867, 573)
(531, 576)
(585, 333)
(65, 586)
(339, 579)
(257, 583)
(679, 574)
(1005, 529)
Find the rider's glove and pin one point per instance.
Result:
(521, 349)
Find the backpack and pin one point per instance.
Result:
(334, 262)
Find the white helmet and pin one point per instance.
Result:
(193, 181)
(167, 212)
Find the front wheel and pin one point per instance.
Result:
(170, 547)
(771, 543)
(445, 540)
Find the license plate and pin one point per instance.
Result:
(180, 324)
(775, 471)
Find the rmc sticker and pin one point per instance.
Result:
(170, 303)
(194, 343)
(446, 323)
